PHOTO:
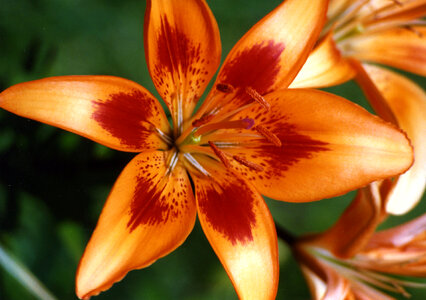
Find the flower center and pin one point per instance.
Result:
(212, 133)
(362, 16)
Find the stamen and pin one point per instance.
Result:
(172, 162)
(161, 134)
(225, 88)
(397, 2)
(257, 97)
(203, 120)
(243, 124)
(268, 135)
(221, 155)
(194, 163)
(412, 29)
(247, 163)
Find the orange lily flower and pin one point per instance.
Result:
(251, 136)
(354, 264)
(385, 32)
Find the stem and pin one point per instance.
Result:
(24, 276)
(285, 235)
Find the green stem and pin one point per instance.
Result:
(24, 276)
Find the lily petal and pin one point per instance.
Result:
(399, 47)
(400, 235)
(408, 103)
(112, 111)
(325, 67)
(323, 152)
(240, 229)
(395, 11)
(400, 250)
(148, 214)
(366, 211)
(324, 282)
(271, 53)
(182, 48)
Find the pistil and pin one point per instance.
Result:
(237, 124)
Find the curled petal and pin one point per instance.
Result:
(366, 211)
(408, 103)
(324, 67)
(271, 53)
(324, 152)
(148, 214)
(399, 47)
(400, 250)
(240, 229)
(324, 282)
(112, 111)
(182, 47)
(401, 235)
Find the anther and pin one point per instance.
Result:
(247, 163)
(237, 124)
(258, 98)
(412, 29)
(224, 88)
(220, 154)
(201, 121)
(268, 135)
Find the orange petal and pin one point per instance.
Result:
(400, 250)
(271, 53)
(182, 46)
(408, 103)
(399, 11)
(373, 94)
(401, 235)
(324, 282)
(325, 67)
(112, 111)
(148, 214)
(400, 48)
(240, 229)
(366, 211)
(329, 146)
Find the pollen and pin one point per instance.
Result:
(225, 88)
(203, 120)
(268, 135)
(247, 163)
(258, 98)
(220, 154)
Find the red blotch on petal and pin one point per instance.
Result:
(256, 67)
(178, 57)
(122, 115)
(152, 203)
(294, 147)
(229, 209)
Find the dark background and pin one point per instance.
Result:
(53, 183)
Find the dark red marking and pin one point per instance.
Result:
(294, 147)
(149, 205)
(175, 49)
(228, 208)
(121, 115)
(177, 55)
(256, 67)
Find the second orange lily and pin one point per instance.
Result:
(251, 136)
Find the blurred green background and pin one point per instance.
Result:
(53, 183)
